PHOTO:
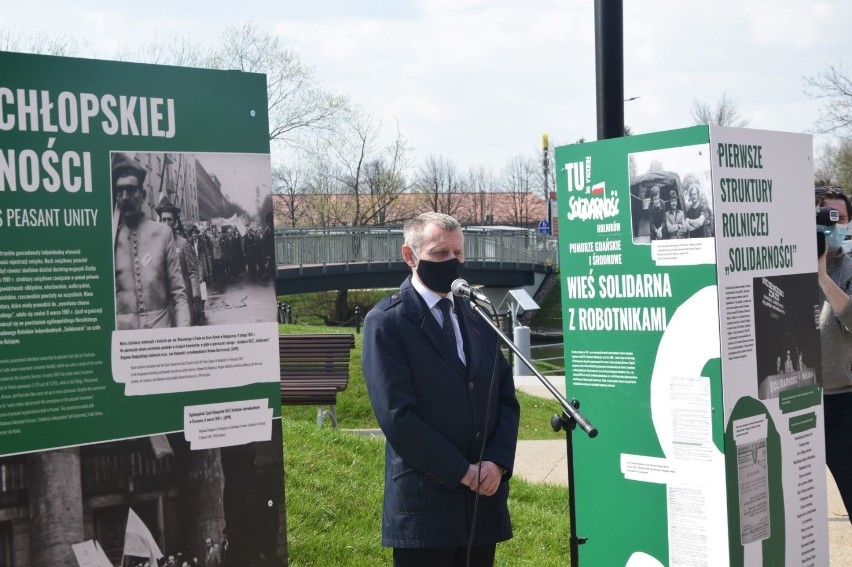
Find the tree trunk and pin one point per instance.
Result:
(341, 305)
(56, 506)
(202, 484)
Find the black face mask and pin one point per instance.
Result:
(439, 276)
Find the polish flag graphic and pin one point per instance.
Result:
(598, 188)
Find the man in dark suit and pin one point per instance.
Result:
(170, 216)
(444, 397)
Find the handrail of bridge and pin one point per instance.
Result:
(345, 245)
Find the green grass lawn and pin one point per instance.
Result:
(334, 482)
(353, 405)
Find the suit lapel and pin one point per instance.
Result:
(415, 309)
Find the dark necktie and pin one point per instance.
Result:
(448, 335)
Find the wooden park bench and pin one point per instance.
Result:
(314, 368)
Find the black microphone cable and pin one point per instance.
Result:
(484, 440)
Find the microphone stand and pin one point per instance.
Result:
(568, 421)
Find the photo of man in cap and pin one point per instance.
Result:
(149, 286)
(170, 216)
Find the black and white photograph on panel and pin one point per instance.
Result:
(145, 502)
(193, 239)
(786, 333)
(670, 194)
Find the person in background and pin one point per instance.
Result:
(696, 213)
(218, 255)
(834, 274)
(170, 216)
(656, 215)
(675, 225)
(205, 270)
(149, 288)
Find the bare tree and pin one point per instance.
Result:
(288, 183)
(371, 175)
(824, 170)
(724, 113)
(183, 52)
(833, 165)
(834, 86)
(323, 203)
(440, 183)
(481, 202)
(296, 102)
(520, 183)
(41, 43)
(397, 178)
(358, 139)
(386, 182)
(297, 105)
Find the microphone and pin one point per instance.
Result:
(461, 288)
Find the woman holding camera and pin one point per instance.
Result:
(835, 323)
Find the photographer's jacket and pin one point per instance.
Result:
(836, 330)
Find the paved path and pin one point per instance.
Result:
(545, 462)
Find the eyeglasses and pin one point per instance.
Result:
(127, 189)
(830, 191)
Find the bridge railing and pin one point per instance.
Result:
(373, 244)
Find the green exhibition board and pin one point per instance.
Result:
(688, 265)
(131, 413)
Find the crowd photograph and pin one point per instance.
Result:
(193, 241)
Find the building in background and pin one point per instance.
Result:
(66, 496)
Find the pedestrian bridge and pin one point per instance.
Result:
(322, 259)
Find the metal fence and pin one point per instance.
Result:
(551, 353)
(370, 245)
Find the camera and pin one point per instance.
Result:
(826, 218)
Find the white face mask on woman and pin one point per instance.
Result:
(835, 238)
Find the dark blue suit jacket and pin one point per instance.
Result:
(432, 410)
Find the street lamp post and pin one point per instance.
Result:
(545, 149)
(609, 64)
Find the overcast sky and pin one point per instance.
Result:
(479, 81)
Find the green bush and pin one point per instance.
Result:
(322, 307)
